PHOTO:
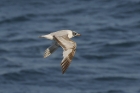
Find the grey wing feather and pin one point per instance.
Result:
(60, 33)
(68, 55)
(51, 49)
(69, 48)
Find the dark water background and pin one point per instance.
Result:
(107, 59)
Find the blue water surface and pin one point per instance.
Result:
(107, 58)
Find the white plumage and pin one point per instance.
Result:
(62, 38)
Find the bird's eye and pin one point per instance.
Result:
(74, 33)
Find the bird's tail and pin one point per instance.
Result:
(47, 36)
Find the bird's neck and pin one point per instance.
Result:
(70, 35)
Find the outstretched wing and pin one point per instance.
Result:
(69, 48)
(51, 49)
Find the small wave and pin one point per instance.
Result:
(68, 12)
(15, 19)
(22, 75)
(12, 66)
(114, 78)
(3, 50)
(123, 43)
(35, 3)
(125, 9)
(75, 11)
(57, 20)
(33, 75)
(3, 40)
(21, 18)
(115, 91)
(23, 40)
(103, 56)
(111, 29)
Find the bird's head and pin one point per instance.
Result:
(75, 34)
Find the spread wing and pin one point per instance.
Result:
(51, 49)
(69, 48)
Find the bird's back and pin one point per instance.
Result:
(60, 32)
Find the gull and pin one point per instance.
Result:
(62, 38)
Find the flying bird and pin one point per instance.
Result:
(62, 38)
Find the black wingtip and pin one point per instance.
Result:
(63, 71)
